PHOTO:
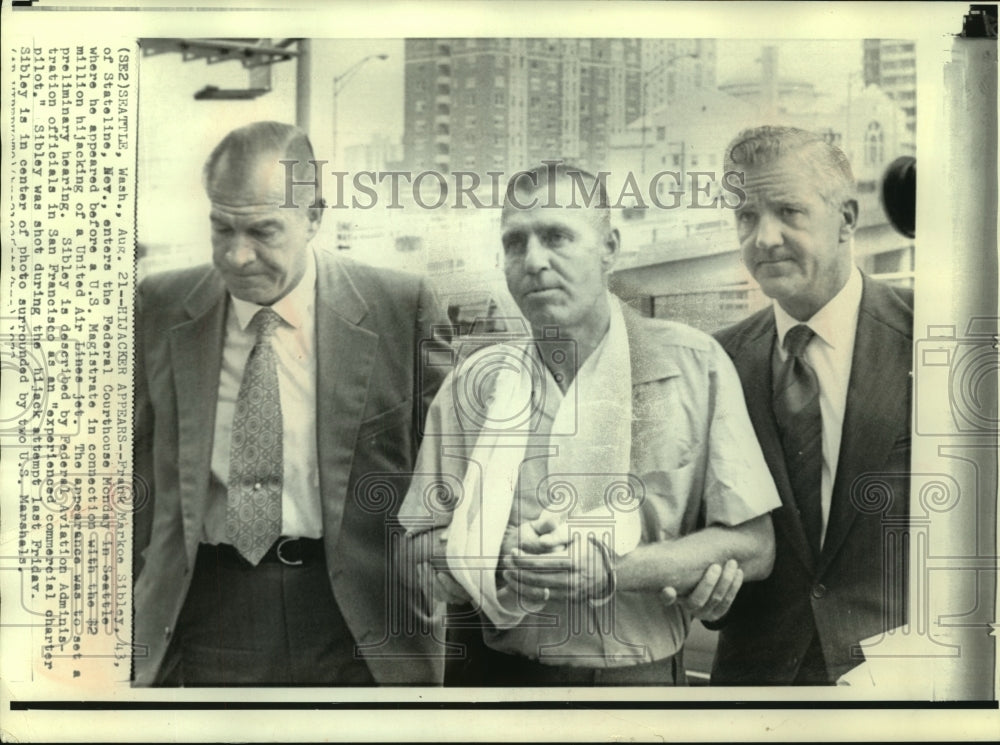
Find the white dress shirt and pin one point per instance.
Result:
(829, 353)
(294, 344)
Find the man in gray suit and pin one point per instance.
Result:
(826, 376)
(268, 386)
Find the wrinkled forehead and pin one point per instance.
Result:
(558, 203)
(790, 178)
(254, 182)
(577, 220)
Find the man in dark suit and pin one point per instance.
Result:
(268, 386)
(826, 375)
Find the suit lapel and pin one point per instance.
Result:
(753, 361)
(196, 356)
(876, 407)
(345, 353)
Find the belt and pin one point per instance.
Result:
(291, 552)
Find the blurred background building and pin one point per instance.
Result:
(891, 64)
(498, 104)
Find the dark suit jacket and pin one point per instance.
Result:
(371, 326)
(857, 587)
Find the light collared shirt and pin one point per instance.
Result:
(693, 453)
(294, 344)
(829, 353)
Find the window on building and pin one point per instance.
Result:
(661, 134)
(874, 144)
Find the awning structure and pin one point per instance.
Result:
(256, 55)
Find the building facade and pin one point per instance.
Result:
(677, 67)
(891, 64)
(490, 104)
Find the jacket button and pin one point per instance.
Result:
(819, 591)
(166, 633)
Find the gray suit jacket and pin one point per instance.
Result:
(372, 328)
(857, 587)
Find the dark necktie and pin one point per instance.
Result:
(253, 510)
(800, 424)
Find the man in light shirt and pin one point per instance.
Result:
(567, 477)
(826, 375)
(269, 385)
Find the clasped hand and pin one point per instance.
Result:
(541, 561)
(549, 562)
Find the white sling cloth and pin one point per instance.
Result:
(591, 438)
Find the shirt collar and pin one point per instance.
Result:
(294, 308)
(834, 323)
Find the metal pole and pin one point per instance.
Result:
(666, 64)
(303, 75)
(333, 147)
(645, 93)
(338, 84)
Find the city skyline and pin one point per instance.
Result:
(372, 102)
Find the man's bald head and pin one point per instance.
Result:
(252, 155)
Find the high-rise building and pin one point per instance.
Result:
(492, 104)
(677, 67)
(378, 154)
(891, 64)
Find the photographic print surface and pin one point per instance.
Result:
(417, 122)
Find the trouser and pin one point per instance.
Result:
(272, 624)
(812, 671)
(484, 666)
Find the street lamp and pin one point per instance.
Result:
(646, 75)
(338, 85)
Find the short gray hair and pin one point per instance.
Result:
(548, 173)
(767, 144)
